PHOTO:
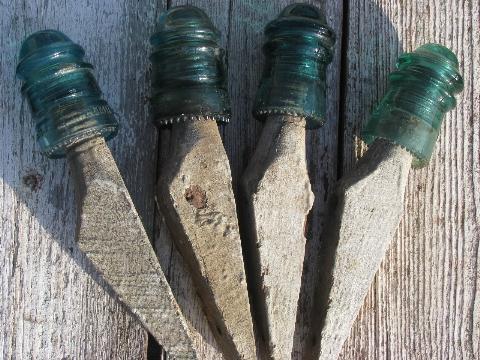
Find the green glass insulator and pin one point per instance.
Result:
(189, 74)
(298, 49)
(64, 97)
(420, 92)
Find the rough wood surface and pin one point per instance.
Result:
(277, 194)
(365, 211)
(53, 304)
(111, 234)
(241, 23)
(424, 302)
(196, 197)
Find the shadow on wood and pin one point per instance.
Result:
(319, 255)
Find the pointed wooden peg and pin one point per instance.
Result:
(366, 211)
(368, 205)
(72, 121)
(276, 185)
(279, 198)
(195, 184)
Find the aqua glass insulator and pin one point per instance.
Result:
(297, 50)
(64, 97)
(420, 92)
(189, 74)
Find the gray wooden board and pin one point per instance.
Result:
(241, 23)
(53, 305)
(424, 302)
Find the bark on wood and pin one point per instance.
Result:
(278, 199)
(112, 236)
(365, 213)
(196, 197)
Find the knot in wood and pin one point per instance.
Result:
(196, 196)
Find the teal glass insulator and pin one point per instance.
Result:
(189, 74)
(64, 97)
(420, 92)
(297, 50)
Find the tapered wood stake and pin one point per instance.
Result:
(276, 186)
(72, 120)
(366, 210)
(196, 197)
(368, 204)
(195, 184)
(111, 234)
(278, 193)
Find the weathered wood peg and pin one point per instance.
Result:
(194, 187)
(276, 185)
(73, 120)
(368, 204)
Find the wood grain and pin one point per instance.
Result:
(52, 304)
(171, 261)
(241, 23)
(196, 199)
(277, 197)
(424, 302)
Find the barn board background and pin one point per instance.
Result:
(425, 300)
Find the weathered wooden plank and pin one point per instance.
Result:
(322, 154)
(278, 199)
(241, 23)
(366, 209)
(196, 198)
(431, 269)
(111, 235)
(171, 261)
(424, 302)
(53, 304)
